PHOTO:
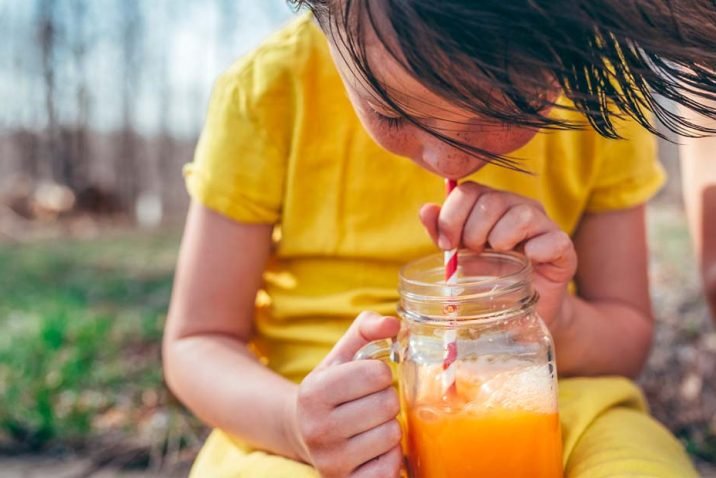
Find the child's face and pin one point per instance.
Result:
(401, 137)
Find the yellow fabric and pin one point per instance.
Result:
(605, 428)
(283, 146)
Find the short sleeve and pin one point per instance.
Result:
(629, 173)
(239, 166)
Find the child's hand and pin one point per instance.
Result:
(346, 410)
(476, 217)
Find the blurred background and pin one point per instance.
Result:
(101, 103)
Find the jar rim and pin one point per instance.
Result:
(489, 284)
(514, 257)
(485, 318)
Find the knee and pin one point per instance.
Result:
(627, 442)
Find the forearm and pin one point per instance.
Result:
(601, 338)
(708, 243)
(223, 383)
(698, 172)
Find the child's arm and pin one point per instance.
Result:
(341, 418)
(607, 328)
(698, 172)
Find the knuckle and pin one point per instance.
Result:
(313, 433)
(492, 200)
(498, 241)
(377, 373)
(365, 315)
(473, 236)
(526, 213)
(563, 242)
(472, 242)
(391, 403)
(393, 432)
(470, 187)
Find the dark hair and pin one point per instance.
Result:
(612, 58)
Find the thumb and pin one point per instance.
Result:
(367, 327)
(429, 214)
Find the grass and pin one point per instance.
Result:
(81, 325)
(81, 321)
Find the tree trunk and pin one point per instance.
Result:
(127, 171)
(79, 174)
(50, 166)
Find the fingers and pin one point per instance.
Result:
(368, 412)
(429, 217)
(367, 327)
(519, 223)
(342, 383)
(339, 439)
(476, 216)
(553, 256)
(386, 465)
(345, 410)
(340, 457)
(454, 214)
(489, 208)
(373, 443)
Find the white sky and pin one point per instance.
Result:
(194, 53)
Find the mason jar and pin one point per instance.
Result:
(476, 371)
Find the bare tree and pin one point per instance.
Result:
(165, 163)
(79, 139)
(127, 164)
(28, 152)
(47, 39)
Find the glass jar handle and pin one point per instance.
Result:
(385, 350)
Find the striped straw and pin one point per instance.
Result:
(450, 309)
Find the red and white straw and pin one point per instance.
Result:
(450, 336)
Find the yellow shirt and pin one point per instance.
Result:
(282, 145)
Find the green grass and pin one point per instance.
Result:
(80, 326)
(81, 322)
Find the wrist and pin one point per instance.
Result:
(290, 428)
(563, 318)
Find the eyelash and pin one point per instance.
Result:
(389, 121)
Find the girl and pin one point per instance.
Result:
(323, 147)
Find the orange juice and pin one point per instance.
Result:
(494, 428)
(501, 444)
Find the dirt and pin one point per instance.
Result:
(75, 467)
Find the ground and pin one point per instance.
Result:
(81, 392)
(680, 379)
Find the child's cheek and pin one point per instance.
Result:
(396, 140)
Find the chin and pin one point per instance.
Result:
(466, 167)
